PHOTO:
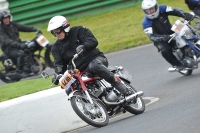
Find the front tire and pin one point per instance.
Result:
(185, 72)
(95, 115)
(136, 106)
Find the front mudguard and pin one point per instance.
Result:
(92, 96)
(71, 94)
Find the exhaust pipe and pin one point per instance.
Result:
(128, 98)
(137, 94)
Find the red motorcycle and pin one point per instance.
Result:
(93, 99)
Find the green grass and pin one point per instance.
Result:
(24, 87)
(115, 30)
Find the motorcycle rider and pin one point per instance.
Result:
(158, 28)
(73, 40)
(10, 42)
(194, 5)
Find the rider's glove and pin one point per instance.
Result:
(166, 38)
(39, 31)
(80, 48)
(188, 16)
(55, 79)
(23, 46)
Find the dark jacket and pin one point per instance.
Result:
(63, 50)
(159, 26)
(194, 5)
(9, 35)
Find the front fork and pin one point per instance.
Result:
(84, 89)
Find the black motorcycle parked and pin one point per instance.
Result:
(34, 62)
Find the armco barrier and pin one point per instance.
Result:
(34, 11)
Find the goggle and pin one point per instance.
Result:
(56, 33)
(149, 11)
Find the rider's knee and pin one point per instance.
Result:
(21, 53)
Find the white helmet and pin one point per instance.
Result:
(150, 4)
(58, 22)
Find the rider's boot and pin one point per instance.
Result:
(21, 72)
(178, 67)
(121, 88)
(20, 62)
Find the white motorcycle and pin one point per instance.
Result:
(187, 47)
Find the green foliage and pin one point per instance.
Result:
(115, 30)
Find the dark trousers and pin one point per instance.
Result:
(166, 51)
(18, 55)
(98, 66)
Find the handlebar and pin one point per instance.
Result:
(74, 57)
(172, 37)
(58, 76)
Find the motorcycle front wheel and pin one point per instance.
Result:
(185, 72)
(94, 114)
(135, 106)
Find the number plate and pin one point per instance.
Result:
(66, 80)
(69, 84)
(42, 41)
(179, 27)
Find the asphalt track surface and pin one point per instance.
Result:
(172, 102)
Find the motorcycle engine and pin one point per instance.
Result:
(112, 96)
(35, 69)
(189, 62)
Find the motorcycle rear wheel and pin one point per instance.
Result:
(95, 115)
(137, 105)
(39, 65)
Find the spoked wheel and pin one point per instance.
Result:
(185, 72)
(94, 114)
(38, 67)
(135, 106)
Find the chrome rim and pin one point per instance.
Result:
(135, 103)
(93, 112)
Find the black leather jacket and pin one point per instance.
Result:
(63, 50)
(9, 35)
